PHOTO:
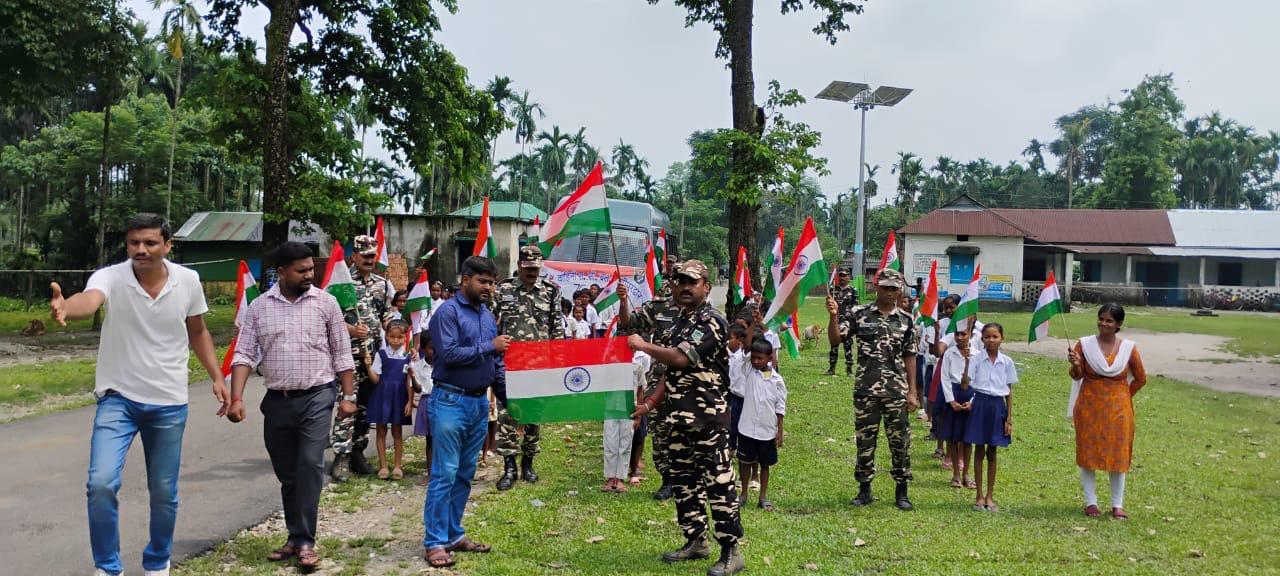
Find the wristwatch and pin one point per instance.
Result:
(348, 397)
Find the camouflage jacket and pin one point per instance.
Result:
(847, 299)
(697, 395)
(654, 316)
(373, 305)
(883, 342)
(531, 313)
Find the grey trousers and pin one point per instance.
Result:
(295, 429)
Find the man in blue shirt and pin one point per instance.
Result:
(468, 360)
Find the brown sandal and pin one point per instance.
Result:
(308, 559)
(468, 545)
(438, 558)
(282, 553)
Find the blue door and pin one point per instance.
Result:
(961, 269)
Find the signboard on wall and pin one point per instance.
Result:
(920, 268)
(995, 287)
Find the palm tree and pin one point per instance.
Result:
(623, 156)
(584, 156)
(500, 90)
(1035, 154)
(1074, 137)
(180, 16)
(910, 173)
(524, 110)
(554, 154)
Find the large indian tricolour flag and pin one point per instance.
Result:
(570, 380)
(583, 212)
(807, 271)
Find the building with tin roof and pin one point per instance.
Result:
(1158, 257)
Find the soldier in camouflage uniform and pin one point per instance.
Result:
(364, 323)
(847, 298)
(695, 352)
(885, 387)
(664, 313)
(527, 308)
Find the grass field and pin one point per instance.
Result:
(1204, 496)
(1251, 333)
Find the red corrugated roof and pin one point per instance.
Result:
(1131, 227)
(971, 222)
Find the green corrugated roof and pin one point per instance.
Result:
(222, 227)
(503, 210)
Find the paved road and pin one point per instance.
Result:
(226, 484)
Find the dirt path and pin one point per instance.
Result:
(14, 352)
(1196, 358)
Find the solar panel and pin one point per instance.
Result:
(842, 91)
(888, 95)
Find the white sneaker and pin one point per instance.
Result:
(161, 572)
(101, 572)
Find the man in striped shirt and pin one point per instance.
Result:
(297, 337)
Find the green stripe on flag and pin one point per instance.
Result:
(581, 223)
(345, 294)
(608, 301)
(581, 407)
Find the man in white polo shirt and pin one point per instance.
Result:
(155, 311)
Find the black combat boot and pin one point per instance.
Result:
(508, 478)
(848, 370)
(693, 550)
(338, 468)
(900, 495)
(359, 465)
(864, 496)
(663, 493)
(830, 371)
(730, 562)
(526, 470)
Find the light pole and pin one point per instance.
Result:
(863, 98)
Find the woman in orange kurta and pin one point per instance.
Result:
(1110, 372)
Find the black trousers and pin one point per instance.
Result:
(295, 428)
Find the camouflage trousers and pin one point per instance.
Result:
(352, 433)
(834, 354)
(660, 431)
(508, 440)
(702, 474)
(869, 412)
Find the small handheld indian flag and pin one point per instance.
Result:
(608, 296)
(583, 212)
(1047, 306)
(428, 255)
(484, 236)
(967, 310)
(337, 278)
(807, 271)
(791, 336)
(535, 229)
(651, 275)
(741, 278)
(927, 303)
(246, 292)
(381, 237)
(776, 264)
(889, 258)
(418, 304)
(570, 380)
(662, 244)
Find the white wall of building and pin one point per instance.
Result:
(998, 256)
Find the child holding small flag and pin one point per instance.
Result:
(420, 374)
(955, 402)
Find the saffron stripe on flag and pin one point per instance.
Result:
(543, 354)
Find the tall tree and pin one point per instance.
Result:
(500, 90)
(733, 22)
(1073, 141)
(553, 156)
(526, 113)
(180, 17)
(417, 91)
(584, 155)
(1145, 140)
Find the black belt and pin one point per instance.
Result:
(456, 390)
(300, 393)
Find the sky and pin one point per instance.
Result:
(988, 75)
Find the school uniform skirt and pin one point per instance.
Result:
(951, 424)
(422, 424)
(986, 421)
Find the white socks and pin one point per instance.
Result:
(1089, 483)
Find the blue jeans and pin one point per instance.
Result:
(458, 427)
(116, 422)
